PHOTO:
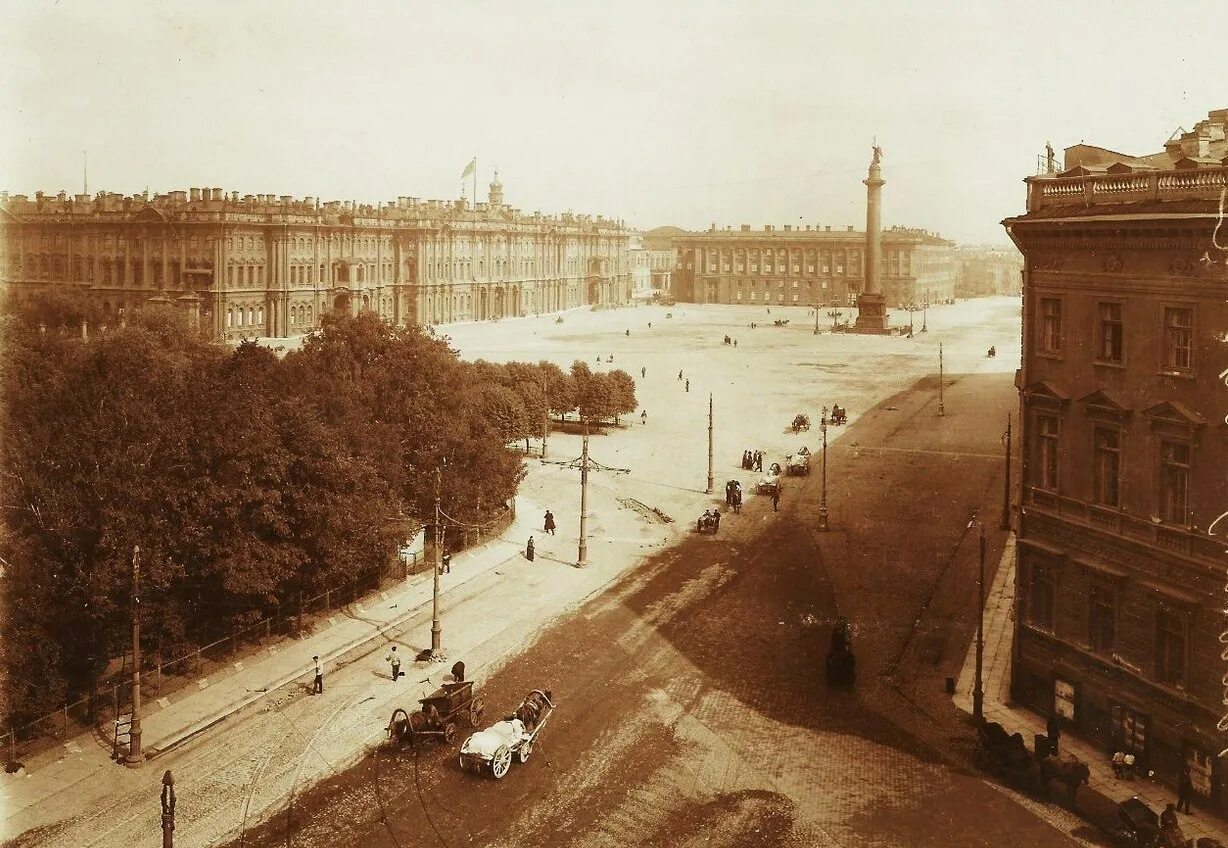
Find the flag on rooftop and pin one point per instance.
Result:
(469, 169)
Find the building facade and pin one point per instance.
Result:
(272, 266)
(661, 255)
(987, 271)
(640, 263)
(809, 265)
(1120, 592)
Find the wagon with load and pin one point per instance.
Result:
(492, 750)
(439, 715)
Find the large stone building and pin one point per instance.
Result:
(803, 265)
(271, 266)
(987, 270)
(1120, 582)
(661, 255)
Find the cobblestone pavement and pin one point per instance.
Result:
(692, 709)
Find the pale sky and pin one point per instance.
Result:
(684, 113)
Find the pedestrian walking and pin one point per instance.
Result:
(549, 525)
(394, 659)
(446, 562)
(643, 372)
(458, 672)
(317, 688)
(1185, 790)
(644, 417)
(628, 332)
(776, 498)
(1054, 731)
(528, 550)
(688, 385)
(759, 461)
(735, 342)
(680, 374)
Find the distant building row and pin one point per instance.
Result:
(272, 266)
(809, 265)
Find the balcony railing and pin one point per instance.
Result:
(1100, 190)
(1184, 541)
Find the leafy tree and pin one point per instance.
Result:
(622, 393)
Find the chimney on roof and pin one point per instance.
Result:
(788, 228)
(217, 194)
(712, 227)
(828, 228)
(745, 228)
(850, 228)
(286, 198)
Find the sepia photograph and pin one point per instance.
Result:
(598, 424)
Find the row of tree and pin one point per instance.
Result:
(245, 478)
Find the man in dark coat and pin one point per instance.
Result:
(1185, 790)
(776, 497)
(549, 528)
(1054, 731)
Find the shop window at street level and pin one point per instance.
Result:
(1178, 339)
(1171, 646)
(1064, 699)
(1111, 334)
(1107, 460)
(1175, 482)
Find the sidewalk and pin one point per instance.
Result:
(169, 723)
(999, 635)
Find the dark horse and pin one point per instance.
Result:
(1067, 769)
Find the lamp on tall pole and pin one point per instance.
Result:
(135, 755)
(823, 503)
(168, 810)
(436, 629)
(941, 409)
(711, 477)
(582, 554)
(978, 688)
(835, 315)
(925, 311)
(816, 319)
(1006, 488)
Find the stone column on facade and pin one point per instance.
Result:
(166, 260)
(146, 281)
(871, 305)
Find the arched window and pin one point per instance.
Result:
(308, 314)
(230, 317)
(260, 315)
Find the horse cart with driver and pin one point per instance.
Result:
(1006, 757)
(801, 421)
(440, 712)
(769, 483)
(492, 750)
(709, 522)
(798, 464)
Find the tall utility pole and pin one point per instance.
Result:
(135, 755)
(1006, 488)
(941, 410)
(816, 319)
(545, 416)
(582, 556)
(823, 503)
(168, 810)
(925, 313)
(710, 475)
(436, 629)
(978, 689)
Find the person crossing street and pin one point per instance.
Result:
(394, 659)
(317, 687)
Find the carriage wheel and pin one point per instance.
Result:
(524, 751)
(463, 765)
(501, 762)
(449, 732)
(476, 708)
(397, 725)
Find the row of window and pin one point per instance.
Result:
(1176, 333)
(1170, 659)
(1173, 469)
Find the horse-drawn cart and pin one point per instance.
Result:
(441, 711)
(1006, 756)
(798, 465)
(800, 422)
(769, 483)
(492, 750)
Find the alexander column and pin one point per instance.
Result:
(871, 305)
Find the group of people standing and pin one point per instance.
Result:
(752, 460)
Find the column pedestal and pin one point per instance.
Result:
(871, 314)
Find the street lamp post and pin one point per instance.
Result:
(1006, 488)
(582, 554)
(823, 502)
(925, 311)
(835, 315)
(168, 810)
(711, 477)
(978, 688)
(816, 319)
(941, 409)
(136, 756)
(436, 629)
